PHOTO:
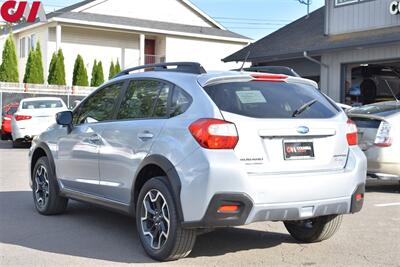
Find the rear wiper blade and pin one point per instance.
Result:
(304, 107)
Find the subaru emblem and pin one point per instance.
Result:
(303, 130)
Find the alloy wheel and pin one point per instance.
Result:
(155, 219)
(42, 186)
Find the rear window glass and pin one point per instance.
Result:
(38, 104)
(377, 109)
(271, 100)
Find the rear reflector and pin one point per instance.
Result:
(269, 77)
(214, 133)
(383, 138)
(359, 197)
(22, 117)
(352, 138)
(229, 209)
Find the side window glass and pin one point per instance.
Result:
(180, 102)
(139, 99)
(161, 109)
(99, 107)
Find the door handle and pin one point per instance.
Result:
(94, 139)
(145, 136)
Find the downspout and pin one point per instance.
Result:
(306, 56)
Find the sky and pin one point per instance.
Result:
(251, 18)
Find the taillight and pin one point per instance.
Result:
(214, 133)
(22, 117)
(265, 77)
(352, 138)
(383, 138)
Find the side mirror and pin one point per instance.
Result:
(64, 118)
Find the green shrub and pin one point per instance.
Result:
(111, 73)
(34, 67)
(80, 76)
(117, 67)
(9, 65)
(57, 69)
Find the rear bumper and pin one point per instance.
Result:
(288, 196)
(249, 213)
(384, 170)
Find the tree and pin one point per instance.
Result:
(99, 74)
(94, 75)
(111, 73)
(39, 64)
(117, 67)
(30, 65)
(60, 68)
(53, 61)
(57, 69)
(9, 65)
(80, 76)
(34, 67)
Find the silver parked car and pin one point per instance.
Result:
(378, 131)
(183, 150)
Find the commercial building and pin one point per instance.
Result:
(351, 47)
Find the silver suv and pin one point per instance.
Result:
(185, 151)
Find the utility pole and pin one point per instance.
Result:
(308, 4)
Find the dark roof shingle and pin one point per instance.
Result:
(307, 34)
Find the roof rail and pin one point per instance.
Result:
(185, 67)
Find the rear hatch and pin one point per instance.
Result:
(272, 137)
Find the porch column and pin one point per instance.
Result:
(58, 37)
(141, 49)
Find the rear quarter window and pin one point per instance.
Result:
(270, 100)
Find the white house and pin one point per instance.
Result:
(135, 32)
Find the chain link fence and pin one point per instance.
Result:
(15, 92)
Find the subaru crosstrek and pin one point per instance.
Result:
(185, 151)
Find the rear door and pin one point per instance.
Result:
(272, 138)
(128, 140)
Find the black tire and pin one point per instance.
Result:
(314, 230)
(179, 242)
(4, 136)
(51, 202)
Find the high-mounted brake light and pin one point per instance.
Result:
(352, 138)
(214, 133)
(265, 77)
(383, 138)
(22, 117)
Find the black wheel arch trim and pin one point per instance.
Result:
(49, 156)
(172, 176)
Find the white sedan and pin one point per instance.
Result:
(34, 116)
(378, 132)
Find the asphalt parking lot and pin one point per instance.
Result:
(90, 236)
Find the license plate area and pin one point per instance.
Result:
(298, 150)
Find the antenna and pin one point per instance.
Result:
(245, 60)
(308, 4)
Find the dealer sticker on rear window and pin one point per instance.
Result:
(251, 97)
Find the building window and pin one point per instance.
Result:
(347, 2)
